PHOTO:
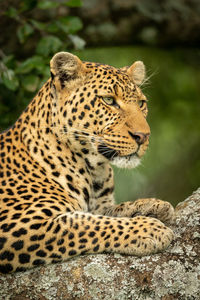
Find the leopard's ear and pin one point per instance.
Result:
(137, 72)
(66, 67)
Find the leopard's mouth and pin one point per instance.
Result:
(127, 161)
(107, 152)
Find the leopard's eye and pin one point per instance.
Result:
(141, 103)
(109, 100)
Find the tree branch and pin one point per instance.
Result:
(173, 274)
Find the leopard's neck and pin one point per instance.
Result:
(60, 160)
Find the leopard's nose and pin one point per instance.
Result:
(139, 137)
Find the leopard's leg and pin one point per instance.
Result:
(152, 207)
(70, 234)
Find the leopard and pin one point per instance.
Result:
(56, 174)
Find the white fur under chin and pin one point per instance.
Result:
(126, 162)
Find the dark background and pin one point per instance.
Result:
(164, 34)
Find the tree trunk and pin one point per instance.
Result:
(173, 274)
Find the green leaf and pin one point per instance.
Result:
(48, 45)
(38, 25)
(24, 31)
(10, 80)
(8, 59)
(47, 4)
(28, 5)
(12, 13)
(70, 24)
(30, 83)
(53, 27)
(73, 3)
(29, 64)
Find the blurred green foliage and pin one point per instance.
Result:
(43, 36)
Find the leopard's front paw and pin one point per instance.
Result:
(149, 207)
(149, 236)
(152, 207)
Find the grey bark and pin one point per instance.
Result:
(173, 274)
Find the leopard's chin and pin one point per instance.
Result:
(127, 162)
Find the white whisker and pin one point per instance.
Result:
(147, 79)
(86, 136)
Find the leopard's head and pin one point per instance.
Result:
(100, 110)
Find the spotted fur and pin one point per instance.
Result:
(56, 182)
